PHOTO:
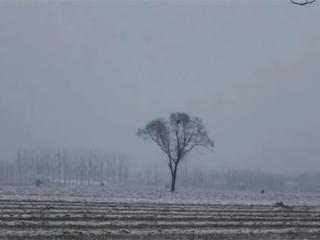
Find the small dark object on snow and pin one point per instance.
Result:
(281, 205)
(38, 182)
(262, 191)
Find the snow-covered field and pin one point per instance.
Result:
(94, 193)
(92, 212)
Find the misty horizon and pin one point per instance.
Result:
(87, 76)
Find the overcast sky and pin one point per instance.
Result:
(88, 74)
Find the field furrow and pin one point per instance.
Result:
(21, 219)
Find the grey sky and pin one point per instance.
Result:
(88, 74)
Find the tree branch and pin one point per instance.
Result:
(159, 143)
(190, 148)
(178, 144)
(170, 166)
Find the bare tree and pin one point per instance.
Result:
(176, 138)
(305, 2)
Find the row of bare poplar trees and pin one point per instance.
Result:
(115, 169)
(65, 167)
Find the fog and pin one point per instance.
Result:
(87, 75)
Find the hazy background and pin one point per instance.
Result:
(88, 74)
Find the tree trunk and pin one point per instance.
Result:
(173, 178)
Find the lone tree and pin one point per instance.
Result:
(176, 138)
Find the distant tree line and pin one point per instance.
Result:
(238, 180)
(228, 179)
(65, 167)
(116, 169)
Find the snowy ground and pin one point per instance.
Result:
(94, 193)
(91, 212)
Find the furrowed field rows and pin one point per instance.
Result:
(144, 206)
(91, 220)
(194, 218)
